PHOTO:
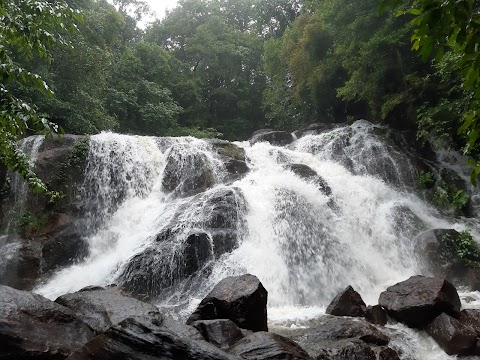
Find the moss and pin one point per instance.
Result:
(231, 150)
(76, 160)
(29, 223)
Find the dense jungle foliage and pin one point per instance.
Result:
(224, 68)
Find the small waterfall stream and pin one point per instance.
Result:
(303, 242)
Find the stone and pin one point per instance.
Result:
(452, 336)
(418, 300)
(385, 353)
(222, 333)
(100, 308)
(33, 327)
(376, 315)
(262, 346)
(347, 303)
(316, 129)
(326, 331)
(233, 158)
(21, 263)
(471, 318)
(187, 174)
(277, 138)
(345, 350)
(308, 174)
(242, 299)
(147, 338)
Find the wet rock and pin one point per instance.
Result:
(20, 266)
(178, 253)
(328, 330)
(385, 353)
(345, 350)
(233, 157)
(34, 327)
(418, 300)
(376, 315)
(347, 303)
(452, 336)
(315, 129)
(242, 299)
(440, 249)
(141, 338)
(279, 138)
(187, 174)
(307, 173)
(262, 346)
(222, 333)
(62, 247)
(471, 318)
(100, 308)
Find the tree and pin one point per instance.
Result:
(28, 29)
(451, 26)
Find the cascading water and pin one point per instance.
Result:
(148, 231)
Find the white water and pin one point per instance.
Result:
(303, 245)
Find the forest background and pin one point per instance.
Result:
(224, 68)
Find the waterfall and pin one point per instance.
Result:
(353, 220)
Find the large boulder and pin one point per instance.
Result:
(347, 303)
(418, 300)
(33, 327)
(147, 338)
(346, 350)
(307, 173)
(233, 158)
(100, 308)
(330, 332)
(187, 173)
(452, 336)
(180, 253)
(279, 138)
(268, 346)
(222, 333)
(315, 129)
(242, 299)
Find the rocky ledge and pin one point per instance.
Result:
(230, 323)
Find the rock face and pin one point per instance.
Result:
(452, 336)
(315, 129)
(280, 138)
(332, 335)
(220, 225)
(265, 346)
(101, 308)
(233, 158)
(141, 338)
(222, 333)
(345, 350)
(418, 300)
(471, 318)
(187, 174)
(307, 173)
(34, 327)
(347, 303)
(242, 299)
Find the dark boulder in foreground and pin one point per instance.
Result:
(268, 346)
(418, 300)
(222, 333)
(279, 138)
(101, 308)
(146, 338)
(242, 299)
(33, 327)
(347, 303)
(331, 332)
(346, 350)
(452, 336)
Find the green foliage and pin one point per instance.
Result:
(426, 179)
(447, 196)
(28, 30)
(76, 159)
(29, 223)
(465, 247)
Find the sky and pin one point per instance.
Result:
(159, 6)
